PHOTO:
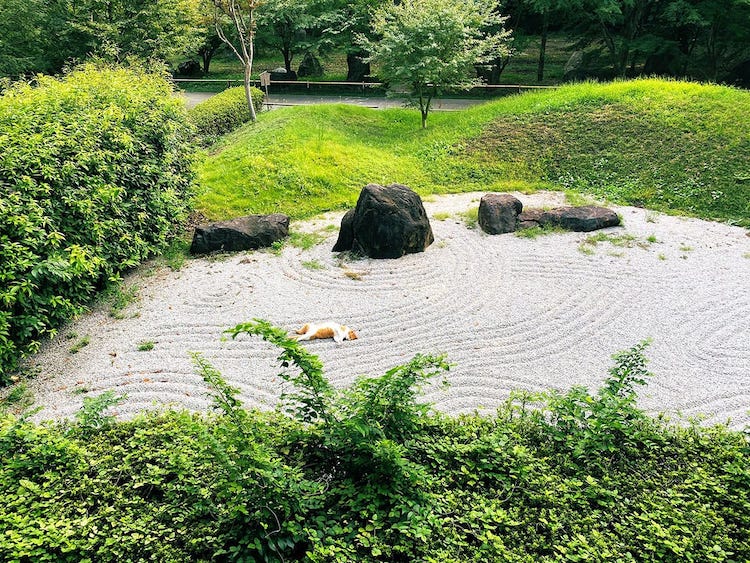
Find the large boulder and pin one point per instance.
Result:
(530, 218)
(388, 222)
(498, 213)
(243, 233)
(583, 219)
(346, 233)
(310, 66)
(574, 70)
(358, 68)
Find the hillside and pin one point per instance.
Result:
(673, 146)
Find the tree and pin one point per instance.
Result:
(547, 9)
(344, 23)
(430, 45)
(289, 27)
(623, 26)
(161, 29)
(238, 16)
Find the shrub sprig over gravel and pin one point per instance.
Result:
(368, 473)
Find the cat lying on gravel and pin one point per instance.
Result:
(314, 331)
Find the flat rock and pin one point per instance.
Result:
(582, 219)
(530, 218)
(243, 233)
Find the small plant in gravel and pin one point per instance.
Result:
(313, 265)
(541, 230)
(146, 346)
(470, 217)
(79, 344)
(305, 241)
(625, 240)
(119, 297)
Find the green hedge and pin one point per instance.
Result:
(95, 172)
(368, 473)
(224, 112)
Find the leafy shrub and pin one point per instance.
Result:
(95, 173)
(224, 112)
(371, 474)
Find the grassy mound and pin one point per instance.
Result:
(672, 146)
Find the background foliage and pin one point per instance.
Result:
(95, 175)
(369, 473)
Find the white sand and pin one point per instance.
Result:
(510, 312)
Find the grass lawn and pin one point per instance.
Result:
(671, 146)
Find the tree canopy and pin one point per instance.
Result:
(426, 46)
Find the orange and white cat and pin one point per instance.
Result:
(315, 331)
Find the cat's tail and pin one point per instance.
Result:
(303, 330)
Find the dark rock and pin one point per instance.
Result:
(574, 69)
(390, 221)
(357, 69)
(740, 75)
(498, 213)
(189, 68)
(664, 63)
(529, 219)
(586, 218)
(243, 233)
(310, 66)
(346, 233)
(282, 74)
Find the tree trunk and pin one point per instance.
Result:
(543, 47)
(248, 95)
(206, 56)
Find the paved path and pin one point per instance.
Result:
(279, 100)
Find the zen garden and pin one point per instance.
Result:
(409, 281)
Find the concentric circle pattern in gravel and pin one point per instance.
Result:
(510, 313)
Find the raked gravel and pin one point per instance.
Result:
(510, 313)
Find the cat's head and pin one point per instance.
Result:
(350, 334)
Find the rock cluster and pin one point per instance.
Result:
(503, 213)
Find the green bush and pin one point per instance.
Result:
(224, 112)
(95, 174)
(369, 473)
